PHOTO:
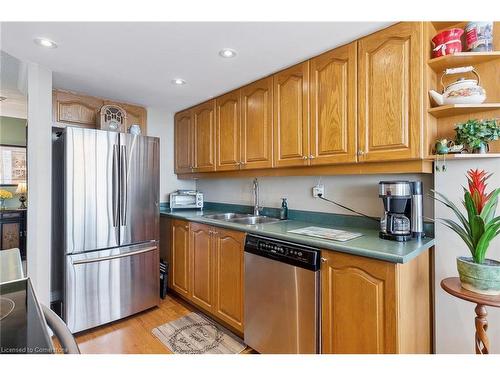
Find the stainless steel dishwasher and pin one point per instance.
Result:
(282, 312)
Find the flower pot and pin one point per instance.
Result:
(483, 149)
(479, 278)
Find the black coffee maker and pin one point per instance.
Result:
(403, 216)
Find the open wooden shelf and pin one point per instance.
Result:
(464, 156)
(461, 109)
(442, 25)
(439, 64)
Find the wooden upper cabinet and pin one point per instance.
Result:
(183, 145)
(201, 244)
(257, 124)
(291, 116)
(229, 287)
(358, 305)
(333, 106)
(203, 117)
(228, 131)
(180, 258)
(390, 93)
(74, 109)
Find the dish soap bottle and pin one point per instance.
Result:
(284, 209)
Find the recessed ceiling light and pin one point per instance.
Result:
(178, 81)
(44, 42)
(227, 53)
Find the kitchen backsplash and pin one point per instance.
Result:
(357, 192)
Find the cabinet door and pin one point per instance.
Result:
(202, 275)
(228, 131)
(183, 145)
(390, 93)
(257, 124)
(358, 305)
(333, 106)
(11, 235)
(75, 110)
(180, 257)
(291, 116)
(204, 136)
(229, 277)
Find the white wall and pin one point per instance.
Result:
(454, 317)
(39, 181)
(161, 124)
(359, 192)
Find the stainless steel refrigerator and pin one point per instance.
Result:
(106, 224)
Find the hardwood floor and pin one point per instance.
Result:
(133, 335)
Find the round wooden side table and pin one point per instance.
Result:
(452, 285)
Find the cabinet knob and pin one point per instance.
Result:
(311, 157)
(304, 157)
(323, 260)
(361, 152)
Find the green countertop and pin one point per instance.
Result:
(368, 245)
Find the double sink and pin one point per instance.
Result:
(245, 219)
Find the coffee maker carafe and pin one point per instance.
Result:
(403, 212)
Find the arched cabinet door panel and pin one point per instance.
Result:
(359, 305)
(333, 106)
(228, 130)
(229, 249)
(202, 255)
(291, 116)
(180, 258)
(390, 93)
(203, 117)
(183, 162)
(257, 124)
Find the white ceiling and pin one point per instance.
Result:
(135, 62)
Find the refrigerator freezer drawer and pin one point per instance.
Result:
(103, 286)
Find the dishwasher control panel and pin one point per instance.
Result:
(296, 254)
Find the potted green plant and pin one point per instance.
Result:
(477, 228)
(476, 134)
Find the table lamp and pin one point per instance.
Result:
(22, 189)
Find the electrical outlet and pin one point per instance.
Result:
(317, 190)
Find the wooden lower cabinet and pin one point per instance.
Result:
(371, 306)
(207, 269)
(229, 285)
(368, 306)
(202, 265)
(180, 258)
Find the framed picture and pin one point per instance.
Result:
(12, 165)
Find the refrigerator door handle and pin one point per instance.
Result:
(99, 259)
(123, 185)
(115, 186)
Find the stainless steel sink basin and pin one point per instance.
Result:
(246, 219)
(226, 217)
(254, 220)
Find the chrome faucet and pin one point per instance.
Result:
(256, 207)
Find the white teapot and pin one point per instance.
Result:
(462, 91)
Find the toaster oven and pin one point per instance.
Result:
(186, 199)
